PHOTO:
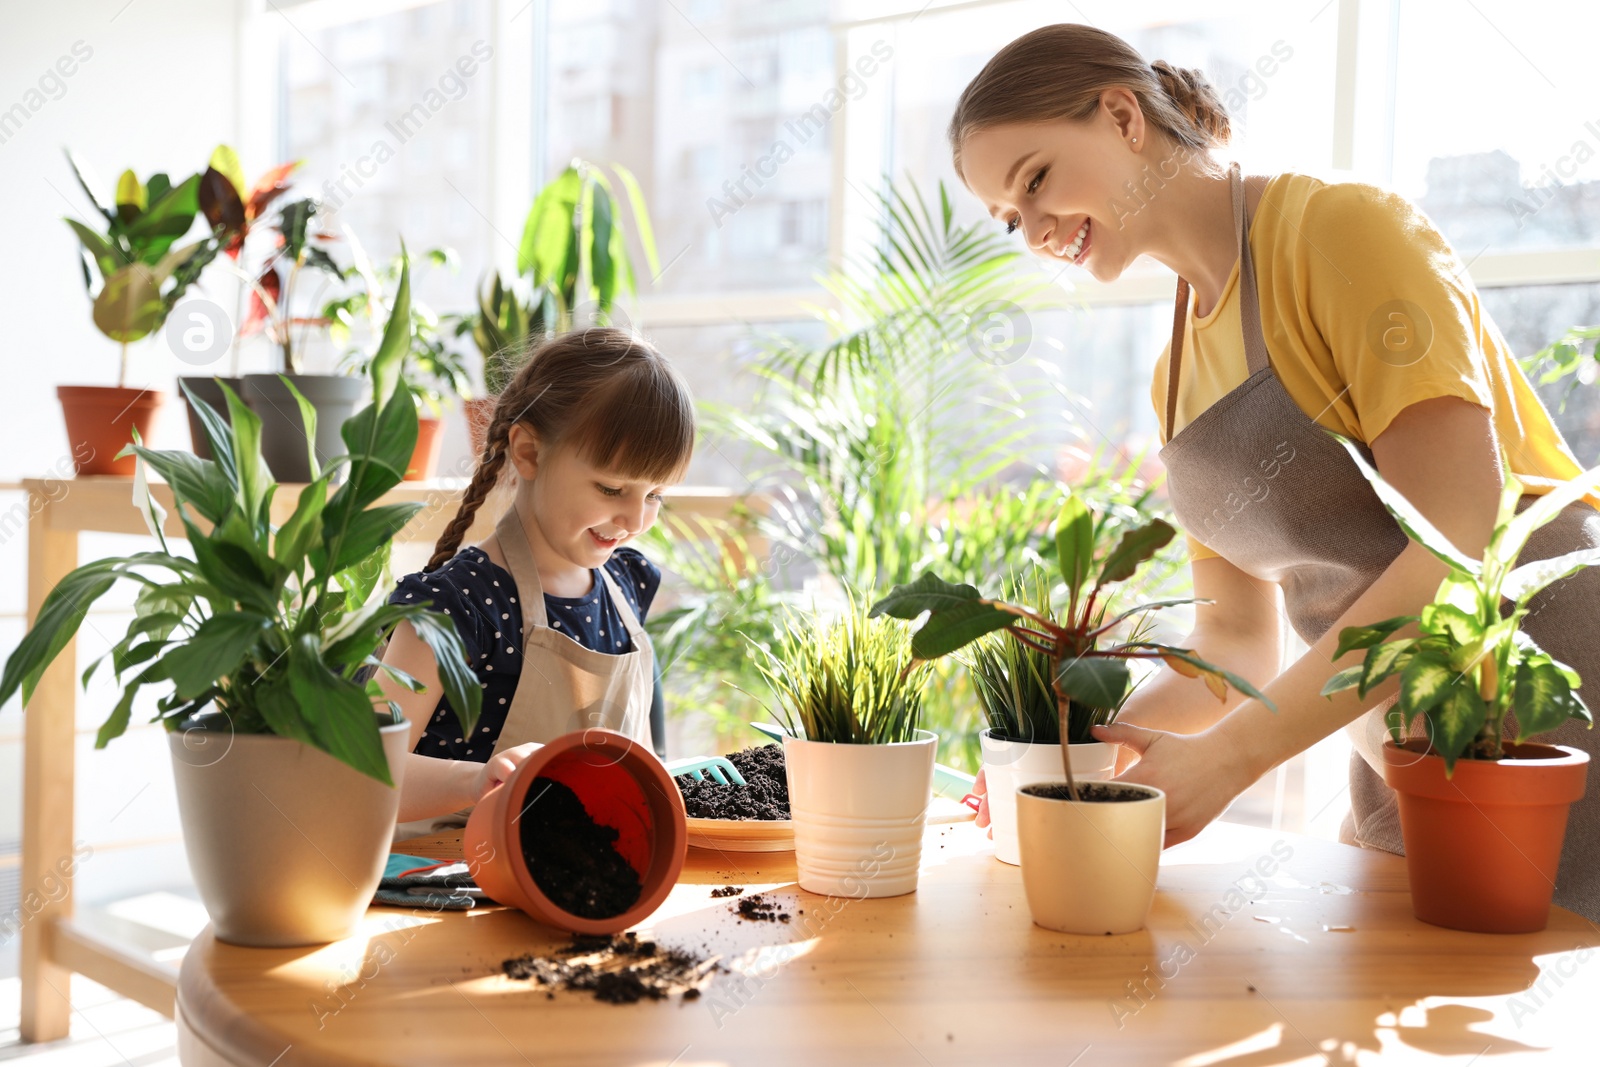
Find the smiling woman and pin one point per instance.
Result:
(1315, 307)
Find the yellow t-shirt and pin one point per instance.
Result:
(1366, 309)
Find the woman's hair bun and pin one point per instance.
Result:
(1195, 96)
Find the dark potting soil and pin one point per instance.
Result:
(728, 891)
(617, 969)
(573, 859)
(1092, 792)
(758, 908)
(765, 794)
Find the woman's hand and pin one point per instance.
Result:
(1199, 778)
(980, 789)
(500, 768)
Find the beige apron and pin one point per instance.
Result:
(1261, 483)
(563, 686)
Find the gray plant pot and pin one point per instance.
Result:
(210, 392)
(283, 435)
(286, 843)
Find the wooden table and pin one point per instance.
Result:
(1319, 961)
(54, 945)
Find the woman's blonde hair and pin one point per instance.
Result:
(1058, 72)
(605, 391)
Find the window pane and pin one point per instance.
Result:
(1496, 136)
(1531, 317)
(391, 118)
(721, 109)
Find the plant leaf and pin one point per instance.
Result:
(1522, 584)
(1098, 681)
(1541, 511)
(1135, 546)
(1384, 660)
(951, 628)
(339, 710)
(1543, 699)
(1457, 719)
(1074, 543)
(214, 651)
(1354, 637)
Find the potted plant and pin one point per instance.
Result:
(277, 397)
(142, 275)
(859, 767)
(232, 207)
(1090, 854)
(1483, 818)
(263, 639)
(572, 264)
(1014, 685)
(435, 372)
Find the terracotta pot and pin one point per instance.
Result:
(425, 457)
(622, 785)
(100, 423)
(286, 843)
(208, 391)
(1483, 845)
(859, 813)
(1009, 764)
(1089, 867)
(479, 411)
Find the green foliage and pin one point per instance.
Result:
(1470, 664)
(300, 247)
(1081, 669)
(851, 681)
(435, 371)
(573, 253)
(277, 628)
(1564, 358)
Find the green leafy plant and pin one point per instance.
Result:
(1013, 680)
(142, 275)
(1564, 358)
(1470, 665)
(434, 371)
(851, 681)
(277, 626)
(574, 251)
(1082, 670)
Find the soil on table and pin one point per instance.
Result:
(1091, 792)
(572, 858)
(765, 794)
(757, 908)
(617, 969)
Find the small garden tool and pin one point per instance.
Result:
(947, 781)
(721, 771)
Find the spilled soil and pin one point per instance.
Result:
(764, 796)
(617, 969)
(573, 859)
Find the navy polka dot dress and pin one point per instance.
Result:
(481, 598)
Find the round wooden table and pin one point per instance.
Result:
(1262, 948)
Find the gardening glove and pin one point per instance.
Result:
(442, 887)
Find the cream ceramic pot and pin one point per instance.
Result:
(1090, 867)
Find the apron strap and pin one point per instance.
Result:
(1255, 344)
(524, 571)
(630, 621)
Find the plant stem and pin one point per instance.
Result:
(122, 369)
(1063, 710)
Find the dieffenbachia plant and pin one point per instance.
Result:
(1470, 665)
(1086, 670)
(278, 627)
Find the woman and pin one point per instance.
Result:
(1314, 307)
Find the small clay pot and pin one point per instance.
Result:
(1089, 867)
(1483, 845)
(100, 423)
(425, 457)
(622, 785)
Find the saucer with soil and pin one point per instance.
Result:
(753, 817)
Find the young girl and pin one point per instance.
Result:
(550, 607)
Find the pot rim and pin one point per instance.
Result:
(988, 731)
(923, 737)
(85, 392)
(1152, 794)
(1571, 757)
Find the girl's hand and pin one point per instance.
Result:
(499, 768)
(1199, 778)
(980, 789)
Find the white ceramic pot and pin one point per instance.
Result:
(286, 843)
(1090, 867)
(859, 813)
(1009, 764)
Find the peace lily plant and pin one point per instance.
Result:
(265, 642)
(1483, 820)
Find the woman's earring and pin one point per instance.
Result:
(1136, 140)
